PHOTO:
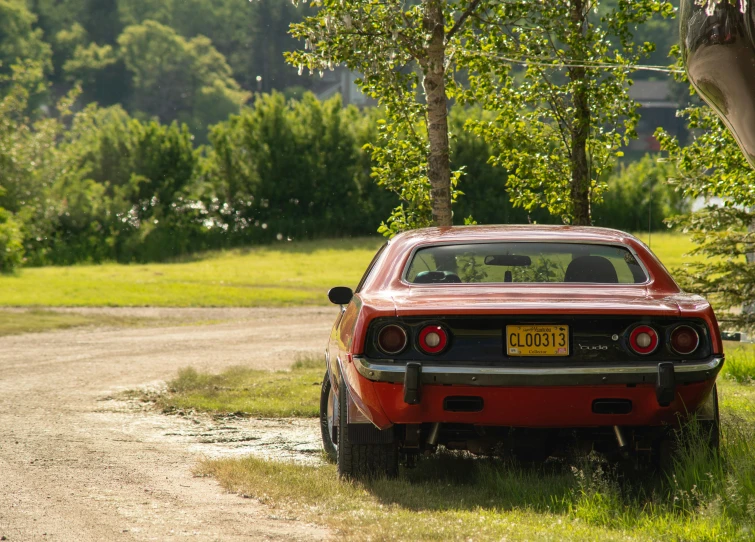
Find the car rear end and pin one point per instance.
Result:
(482, 346)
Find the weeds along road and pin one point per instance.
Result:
(70, 469)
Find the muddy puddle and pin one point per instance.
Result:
(281, 439)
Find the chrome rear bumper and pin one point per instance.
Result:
(477, 375)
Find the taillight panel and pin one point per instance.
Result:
(481, 339)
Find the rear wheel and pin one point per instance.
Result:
(362, 460)
(327, 419)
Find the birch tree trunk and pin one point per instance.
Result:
(580, 129)
(438, 161)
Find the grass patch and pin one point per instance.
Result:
(740, 362)
(278, 275)
(459, 497)
(249, 392)
(15, 322)
(455, 496)
(283, 274)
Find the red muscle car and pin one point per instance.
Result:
(515, 340)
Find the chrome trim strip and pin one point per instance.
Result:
(365, 366)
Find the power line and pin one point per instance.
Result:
(575, 64)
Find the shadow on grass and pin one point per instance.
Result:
(457, 481)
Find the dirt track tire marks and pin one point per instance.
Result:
(72, 468)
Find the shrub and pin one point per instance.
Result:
(639, 195)
(11, 242)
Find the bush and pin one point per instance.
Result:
(640, 195)
(294, 169)
(11, 242)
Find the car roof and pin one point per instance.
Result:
(511, 232)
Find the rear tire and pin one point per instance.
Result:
(327, 416)
(361, 461)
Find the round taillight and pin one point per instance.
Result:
(433, 339)
(643, 340)
(684, 340)
(392, 339)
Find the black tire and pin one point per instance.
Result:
(361, 461)
(326, 418)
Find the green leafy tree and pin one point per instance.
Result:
(28, 164)
(290, 168)
(712, 167)
(176, 79)
(398, 47)
(251, 35)
(142, 171)
(563, 116)
(22, 45)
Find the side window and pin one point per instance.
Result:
(370, 268)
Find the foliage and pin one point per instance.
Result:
(11, 242)
(20, 42)
(291, 169)
(562, 118)
(639, 196)
(176, 79)
(485, 196)
(398, 48)
(712, 167)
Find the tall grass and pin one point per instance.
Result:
(740, 364)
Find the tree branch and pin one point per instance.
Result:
(459, 23)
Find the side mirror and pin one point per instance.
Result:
(340, 295)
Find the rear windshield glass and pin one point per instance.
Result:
(524, 262)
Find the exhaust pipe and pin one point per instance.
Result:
(432, 438)
(621, 439)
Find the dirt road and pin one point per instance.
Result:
(77, 466)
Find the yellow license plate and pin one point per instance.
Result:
(537, 340)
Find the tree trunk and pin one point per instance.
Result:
(438, 161)
(580, 129)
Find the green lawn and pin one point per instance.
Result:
(671, 248)
(282, 274)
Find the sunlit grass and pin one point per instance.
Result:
(459, 497)
(456, 496)
(249, 392)
(282, 274)
(672, 248)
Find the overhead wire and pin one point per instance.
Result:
(575, 64)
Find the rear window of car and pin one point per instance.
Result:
(524, 263)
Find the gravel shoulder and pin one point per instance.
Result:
(75, 464)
